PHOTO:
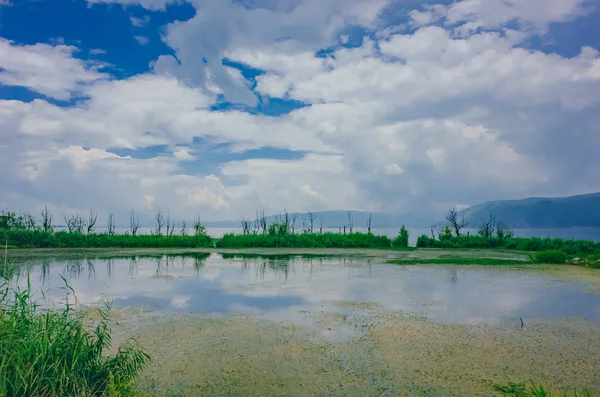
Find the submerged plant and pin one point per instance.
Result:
(51, 352)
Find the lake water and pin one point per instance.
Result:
(285, 287)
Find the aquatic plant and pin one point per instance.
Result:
(537, 390)
(51, 352)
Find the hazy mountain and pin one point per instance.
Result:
(335, 219)
(539, 212)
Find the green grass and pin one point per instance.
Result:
(22, 238)
(305, 240)
(569, 247)
(537, 390)
(459, 261)
(51, 352)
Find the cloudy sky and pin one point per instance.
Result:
(224, 107)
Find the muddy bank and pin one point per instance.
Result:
(392, 354)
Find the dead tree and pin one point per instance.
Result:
(311, 220)
(261, 222)
(199, 227)
(134, 223)
(160, 223)
(46, 220)
(183, 230)
(170, 225)
(75, 223)
(245, 225)
(321, 226)
(110, 224)
(350, 222)
(487, 229)
(455, 223)
(91, 224)
(369, 220)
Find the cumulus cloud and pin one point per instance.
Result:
(453, 110)
(47, 69)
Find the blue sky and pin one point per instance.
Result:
(224, 108)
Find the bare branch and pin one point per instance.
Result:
(110, 224)
(91, 224)
(455, 223)
(134, 223)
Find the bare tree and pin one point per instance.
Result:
(75, 223)
(183, 230)
(503, 231)
(91, 224)
(46, 220)
(246, 225)
(261, 222)
(350, 221)
(199, 227)
(29, 221)
(160, 223)
(311, 219)
(321, 225)
(487, 229)
(110, 224)
(134, 223)
(170, 225)
(292, 222)
(369, 220)
(455, 223)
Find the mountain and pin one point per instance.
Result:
(339, 218)
(539, 212)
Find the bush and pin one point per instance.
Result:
(52, 352)
(554, 256)
(401, 241)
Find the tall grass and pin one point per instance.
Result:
(23, 238)
(304, 240)
(51, 352)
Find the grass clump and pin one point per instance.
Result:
(536, 390)
(551, 257)
(51, 352)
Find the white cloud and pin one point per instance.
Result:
(49, 70)
(5, 3)
(98, 51)
(411, 121)
(148, 4)
(143, 40)
(140, 22)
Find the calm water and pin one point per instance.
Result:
(285, 287)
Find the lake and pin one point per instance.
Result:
(234, 324)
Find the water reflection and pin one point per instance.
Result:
(278, 286)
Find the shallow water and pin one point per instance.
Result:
(287, 287)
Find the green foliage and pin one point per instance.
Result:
(39, 239)
(278, 239)
(401, 241)
(570, 247)
(52, 353)
(554, 256)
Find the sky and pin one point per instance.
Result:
(227, 107)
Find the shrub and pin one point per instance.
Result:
(401, 241)
(553, 256)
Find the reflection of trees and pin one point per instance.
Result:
(75, 267)
(110, 264)
(278, 267)
(454, 276)
(133, 266)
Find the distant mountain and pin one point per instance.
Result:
(539, 212)
(335, 219)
